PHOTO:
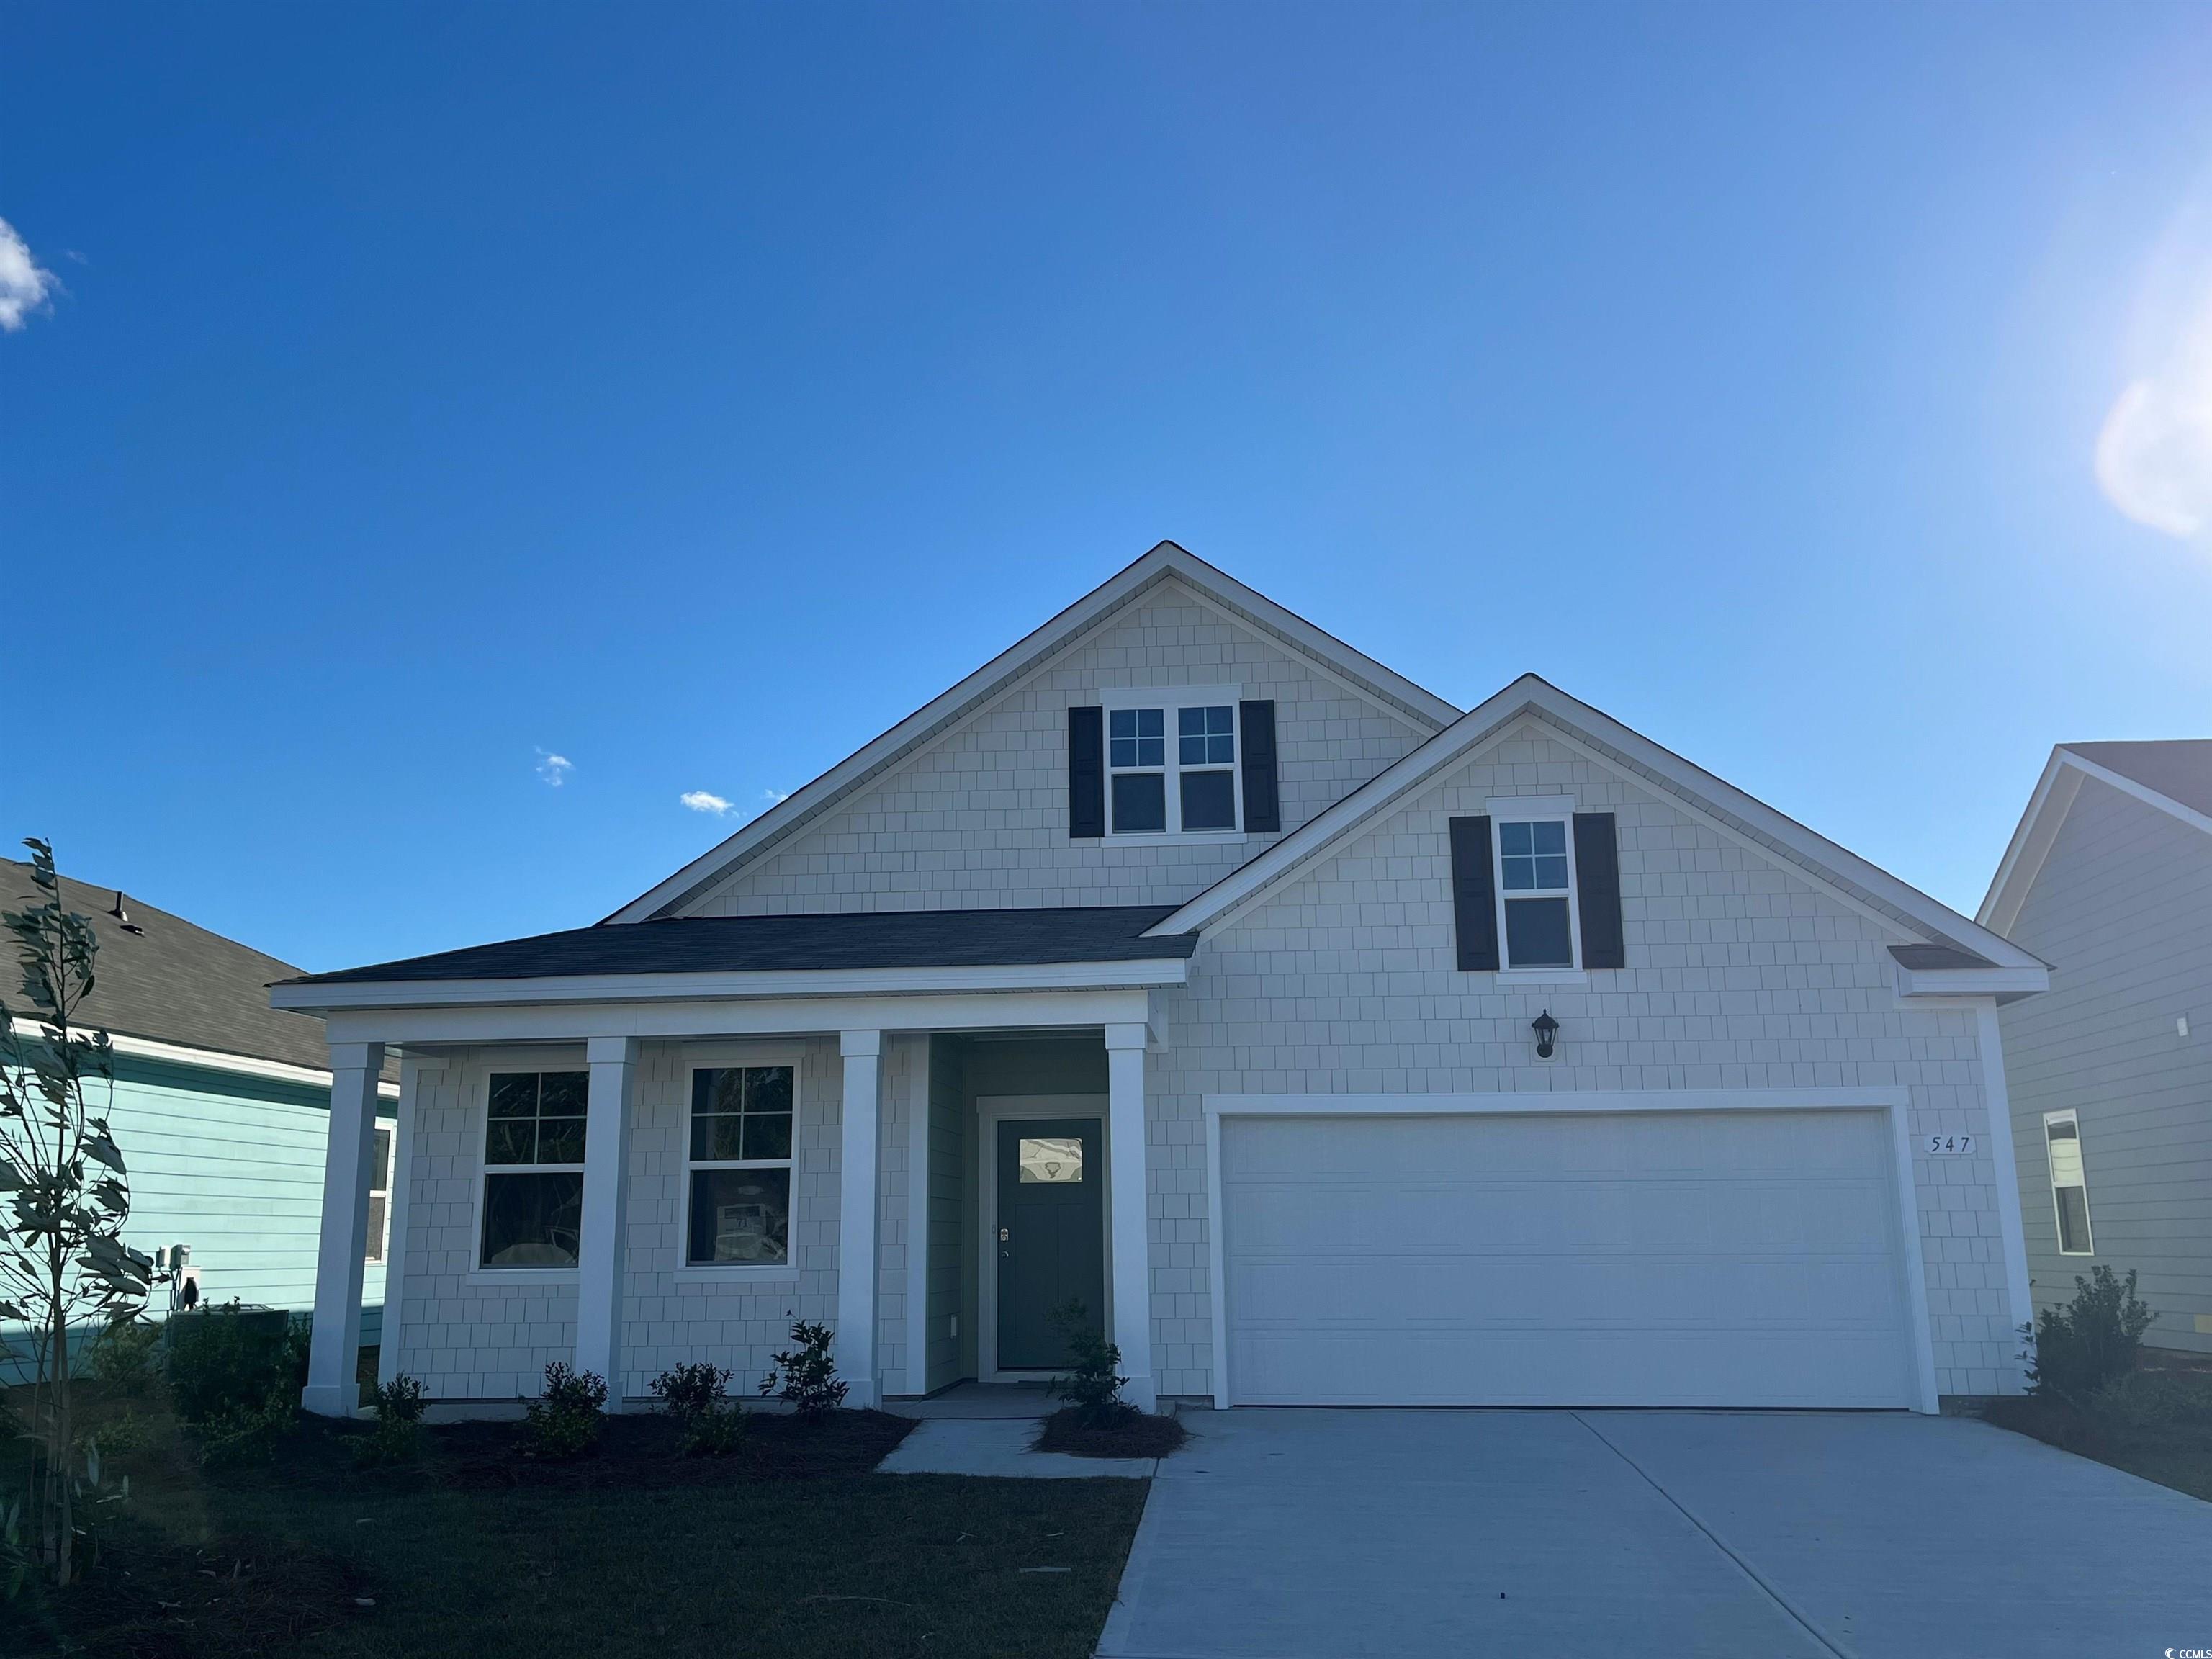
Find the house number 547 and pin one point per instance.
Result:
(1947, 1146)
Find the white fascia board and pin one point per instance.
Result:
(1844, 869)
(1009, 664)
(743, 1018)
(2031, 843)
(211, 1060)
(691, 987)
(2005, 984)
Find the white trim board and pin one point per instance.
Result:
(1834, 868)
(212, 1060)
(929, 721)
(1895, 1103)
(2053, 798)
(796, 983)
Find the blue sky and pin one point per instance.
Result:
(412, 394)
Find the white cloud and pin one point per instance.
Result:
(554, 768)
(2155, 454)
(776, 797)
(700, 801)
(24, 285)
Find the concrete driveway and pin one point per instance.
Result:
(1333, 1534)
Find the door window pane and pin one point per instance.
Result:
(1048, 1160)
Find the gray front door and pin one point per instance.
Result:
(1051, 1240)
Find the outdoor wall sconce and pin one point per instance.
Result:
(1546, 1028)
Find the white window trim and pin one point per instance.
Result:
(2081, 1154)
(475, 1085)
(1536, 809)
(721, 1272)
(1169, 700)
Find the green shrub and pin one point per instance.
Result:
(128, 1357)
(804, 1378)
(695, 1394)
(226, 1362)
(398, 1436)
(2155, 1400)
(2093, 1342)
(1094, 1387)
(247, 1433)
(565, 1421)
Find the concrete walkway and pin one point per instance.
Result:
(1320, 1535)
(1001, 1446)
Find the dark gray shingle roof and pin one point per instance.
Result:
(171, 982)
(708, 945)
(2181, 770)
(1937, 956)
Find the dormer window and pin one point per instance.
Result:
(1536, 886)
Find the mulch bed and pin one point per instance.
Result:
(1137, 1435)
(639, 1450)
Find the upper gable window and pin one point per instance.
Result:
(1536, 892)
(1171, 763)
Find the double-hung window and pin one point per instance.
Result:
(1172, 763)
(2069, 1182)
(380, 1196)
(739, 1169)
(1536, 891)
(533, 1179)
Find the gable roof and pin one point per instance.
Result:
(2173, 777)
(1424, 708)
(174, 982)
(1865, 886)
(801, 944)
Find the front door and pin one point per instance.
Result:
(1051, 1243)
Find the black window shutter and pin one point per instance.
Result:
(1256, 736)
(1597, 881)
(1086, 772)
(1474, 898)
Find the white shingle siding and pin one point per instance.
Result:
(1743, 975)
(979, 819)
(2122, 909)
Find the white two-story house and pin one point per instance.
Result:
(1328, 1043)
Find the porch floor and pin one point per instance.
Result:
(980, 1400)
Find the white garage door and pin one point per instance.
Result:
(1733, 1258)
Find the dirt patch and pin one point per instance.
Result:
(645, 1450)
(1139, 1434)
(150, 1599)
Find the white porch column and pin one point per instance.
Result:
(413, 1073)
(1130, 1227)
(856, 1217)
(613, 1062)
(334, 1351)
(917, 1218)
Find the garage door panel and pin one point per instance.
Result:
(1737, 1258)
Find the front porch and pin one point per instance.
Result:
(930, 1134)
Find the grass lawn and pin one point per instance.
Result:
(788, 1550)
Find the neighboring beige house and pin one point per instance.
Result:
(2109, 879)
(1332, 1044)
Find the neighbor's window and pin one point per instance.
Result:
(1159, 783)
(740, 1166)
(379, 1194)
(533, 1196)
(2069, 1186)
(1536, 890)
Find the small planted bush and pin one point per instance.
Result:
(696, 1397)
(398, 1436)
(2145, 1401)
(2089, 1344)
(1093, 1388)
(128, 1357)
(804, 1376)
(229, 1359)
(565, 1421)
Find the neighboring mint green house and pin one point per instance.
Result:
(2109, 878)
(1332, 1044)
(221, 1102)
